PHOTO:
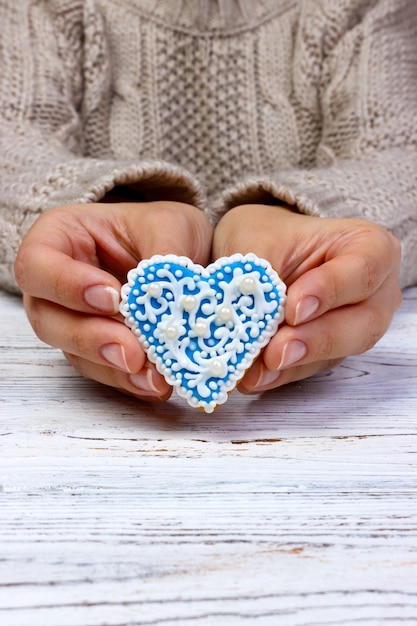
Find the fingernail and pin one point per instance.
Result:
(261, 378)
(266, 378)
(293, 351)
(145, 381)
(305, 309)
(115, 354)
(103, 298)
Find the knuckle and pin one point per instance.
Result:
(370, 276)
(374, 330)
(61, 284)
(36, 319)
(396, 248)
(334, 290)
(382, 255)
(326, 347)
(80, 341)
(22, 262)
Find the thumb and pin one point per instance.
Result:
(172, 228)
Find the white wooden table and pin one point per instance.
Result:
(295, 508)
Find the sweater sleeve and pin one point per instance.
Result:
(55, 75)
(358, 72)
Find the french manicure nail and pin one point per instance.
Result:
(293, 352)
(103, 298)
(258, 378)
(144, 381)
(266, 378)
(115, 354)
(305, 309)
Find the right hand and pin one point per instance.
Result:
(70, 268)
(343, 289)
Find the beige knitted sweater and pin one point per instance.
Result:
(215, 102)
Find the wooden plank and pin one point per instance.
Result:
(298, 507)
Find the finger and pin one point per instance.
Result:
(49, 274)
(310, 347)
(65, 256)
(326, 263)
(147, 384)
(349, 278)
(58, 260)
(174, 228)
(97, 339)
(338, 333)
(261, 379)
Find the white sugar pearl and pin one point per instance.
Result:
(189, 303)
(225, 313)
(154, 290)
(247, 285)
(217, 368)
(171, 332)
(200, 328)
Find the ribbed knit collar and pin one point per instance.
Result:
(211, 15)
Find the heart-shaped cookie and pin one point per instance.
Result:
(203, 327)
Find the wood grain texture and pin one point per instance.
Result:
(296, 508)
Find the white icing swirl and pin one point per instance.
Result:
(203, 329)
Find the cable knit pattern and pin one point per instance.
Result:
(210, 16)
(213, 102)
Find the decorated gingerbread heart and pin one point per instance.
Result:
(203, 327)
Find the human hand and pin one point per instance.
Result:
(70, 267)
(342, 279)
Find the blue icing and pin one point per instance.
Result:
(200, 329)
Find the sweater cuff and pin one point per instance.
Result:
(85, 181)
(377, 189)
(81, 181)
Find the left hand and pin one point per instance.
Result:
(342, 280)
(70, 267)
